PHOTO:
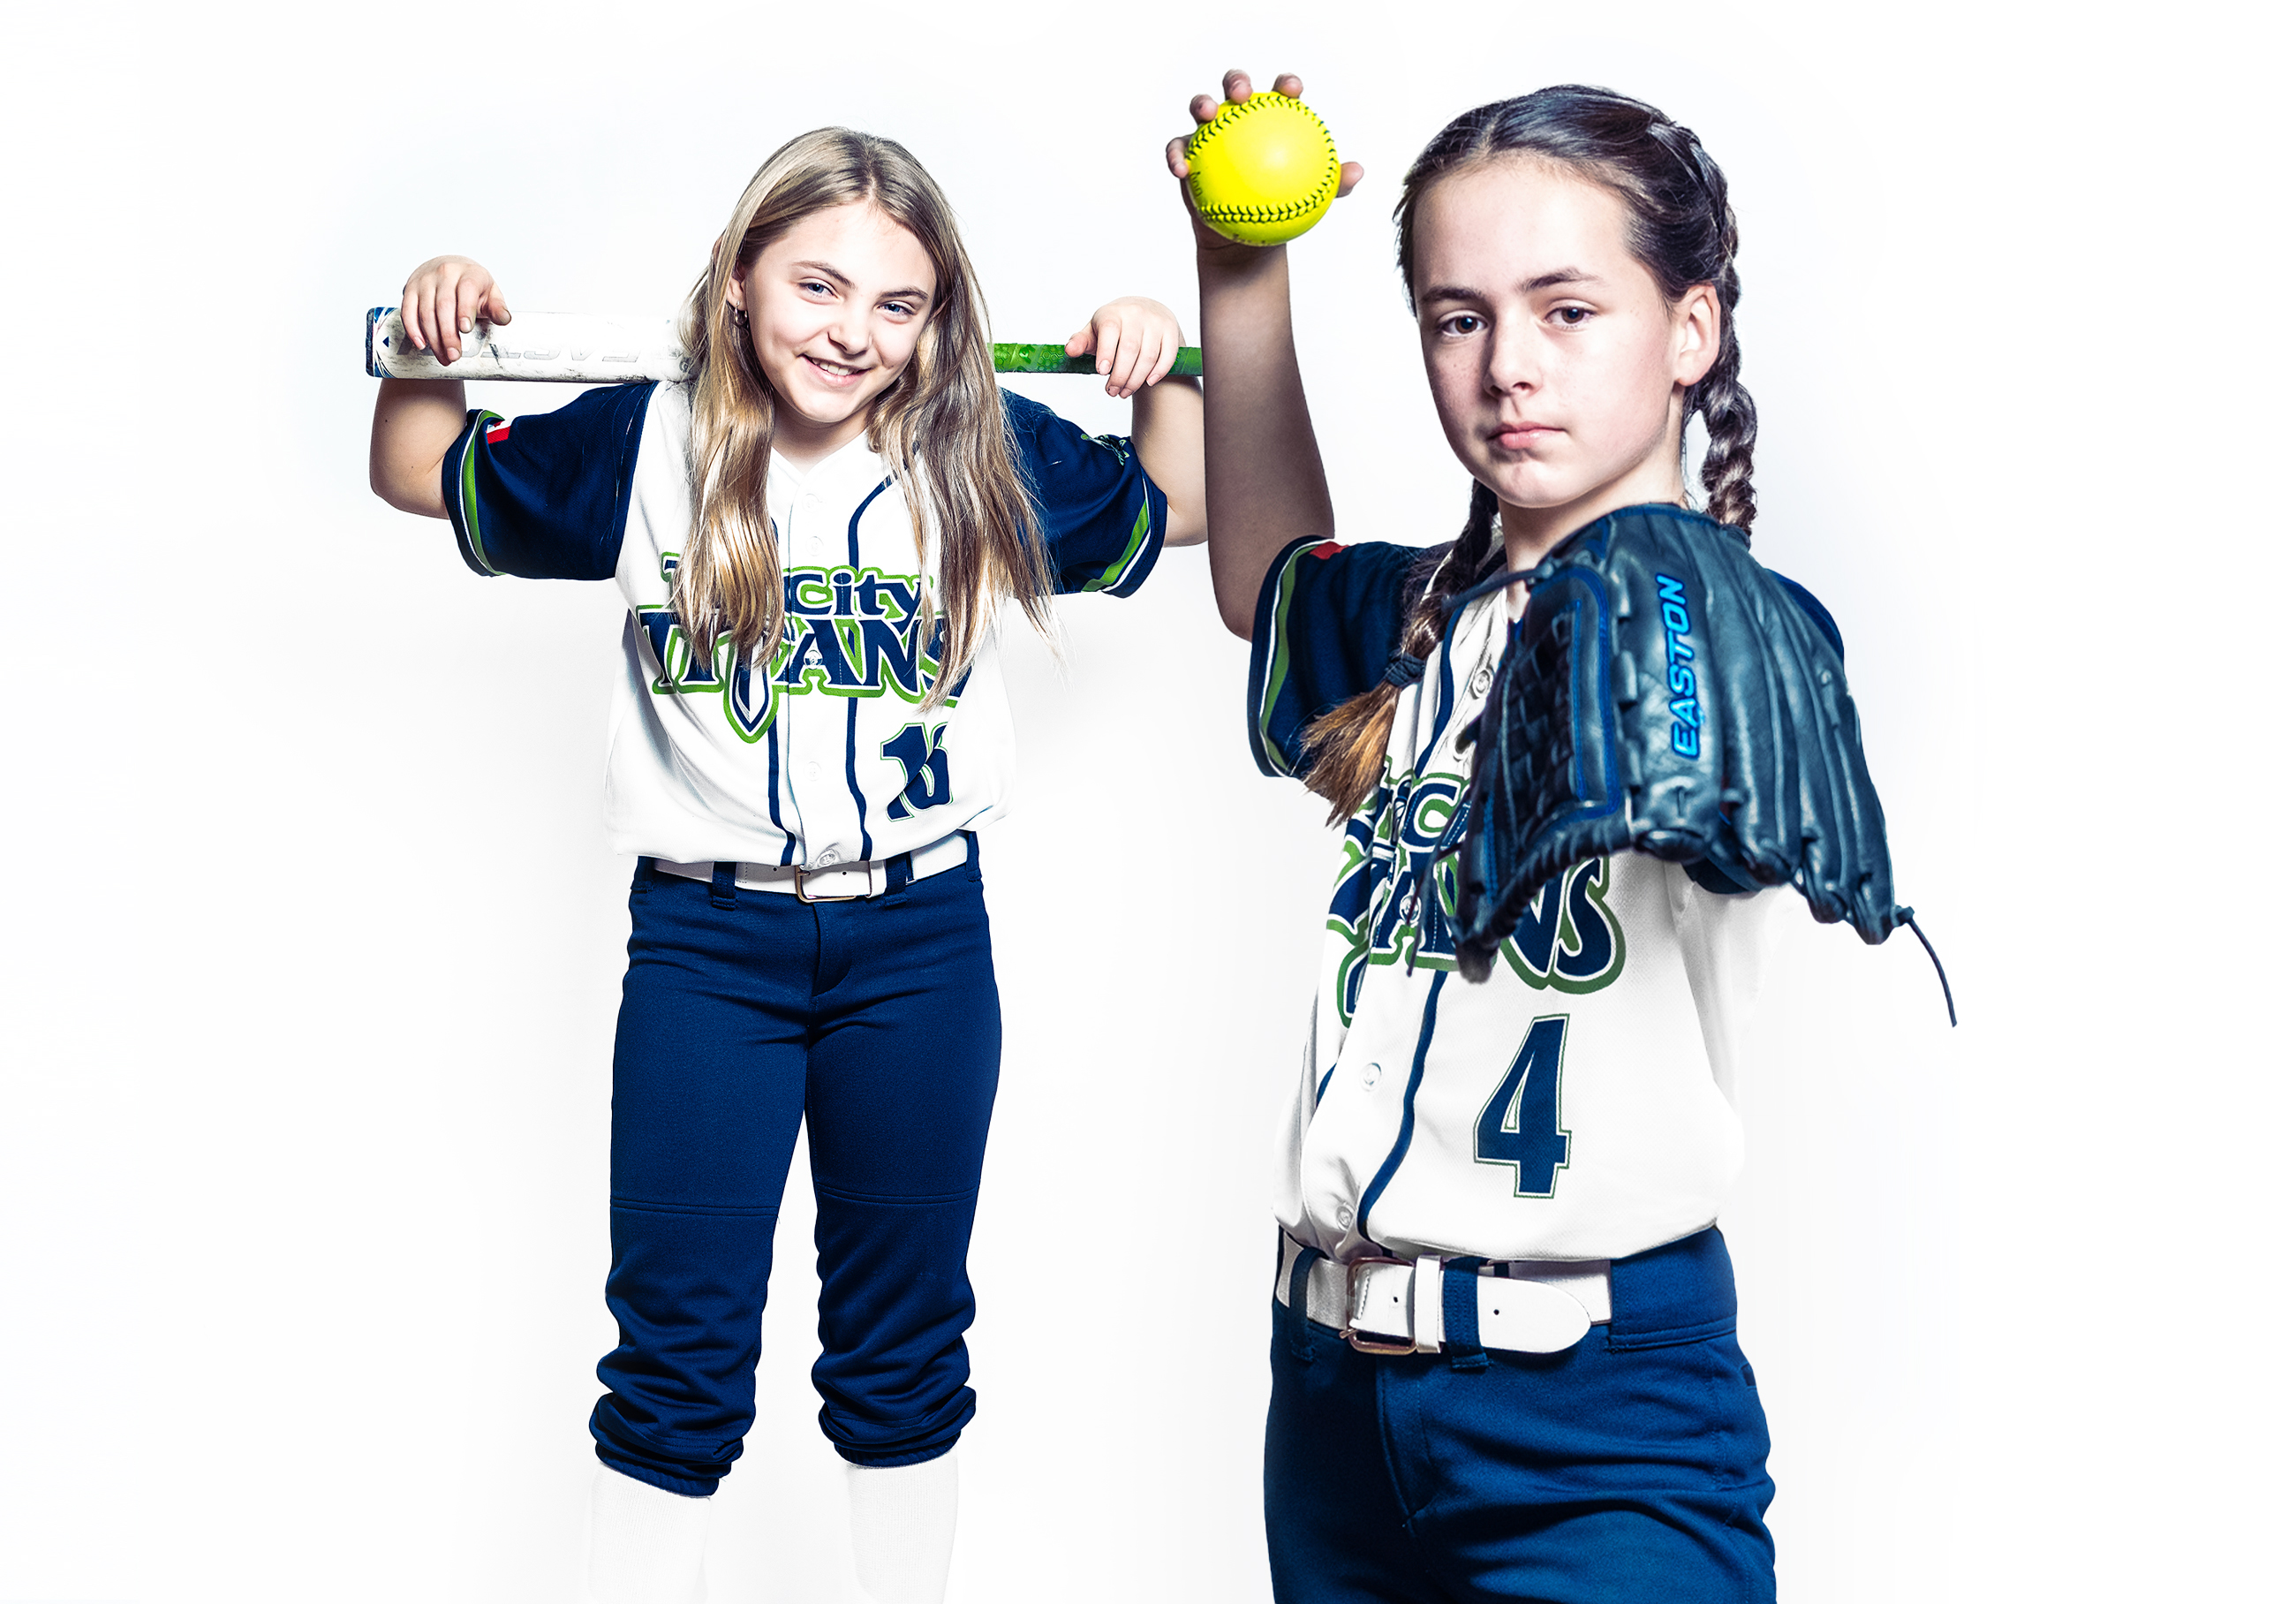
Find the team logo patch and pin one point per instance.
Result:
(846, 631)
(499, 431)
(1396, 899)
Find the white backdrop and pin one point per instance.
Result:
(313, 945)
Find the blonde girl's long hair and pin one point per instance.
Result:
(1680, 226)
(940, 427)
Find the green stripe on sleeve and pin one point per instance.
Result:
(1279, 659)
(469, 486)
(1113, 574)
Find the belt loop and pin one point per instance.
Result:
(642, 882)
(1462, 1329)
(899, 871)
(1296, 1315)
(721, 885)
(972, 848)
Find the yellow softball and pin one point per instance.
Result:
(1263, 170)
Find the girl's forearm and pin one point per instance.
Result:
(1168, 432)
(1264, 484)
(416, 421)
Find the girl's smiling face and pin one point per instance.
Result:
(1558, 367)
(836, 305)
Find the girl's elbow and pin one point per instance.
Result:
(379, 480)
(1184, 525)
(406, 490)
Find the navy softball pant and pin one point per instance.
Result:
(1629, 1469)
(877, 1021)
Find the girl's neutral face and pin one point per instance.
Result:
(1555, 362)
(836, 308)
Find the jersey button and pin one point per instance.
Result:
(813, 771)
(829, 858)
(1480, 685)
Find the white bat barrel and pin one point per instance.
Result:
(563, 346)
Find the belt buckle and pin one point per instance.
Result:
(1363, 1345)
(831, 868)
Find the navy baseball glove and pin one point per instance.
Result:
(1662, 692)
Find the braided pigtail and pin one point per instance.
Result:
(1729, 471)
(1347, 747)
(1728, 410)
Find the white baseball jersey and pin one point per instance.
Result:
(1575, 1105)
(817, 754)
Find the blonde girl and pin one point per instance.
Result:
(814, 536)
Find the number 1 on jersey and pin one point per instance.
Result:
(924, 764)
(1518, 1126)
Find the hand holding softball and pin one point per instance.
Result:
(1260, 170)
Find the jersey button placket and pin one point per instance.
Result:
(815, 749)
(816, 528)
(805, 774)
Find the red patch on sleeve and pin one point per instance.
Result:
(499, 431)
(1329, 548)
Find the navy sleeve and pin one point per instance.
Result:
(1102, 516)
(1329, 617)
(544, 497)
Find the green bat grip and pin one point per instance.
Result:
(1056, 359)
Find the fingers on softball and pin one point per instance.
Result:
(1235, 85)
(1204, 108)
(1263, 168)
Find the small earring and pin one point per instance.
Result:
(741, 318)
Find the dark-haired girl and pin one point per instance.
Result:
(1504, 1357)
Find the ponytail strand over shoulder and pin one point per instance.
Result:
(1347, 747)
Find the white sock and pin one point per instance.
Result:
(645, 1543)
(904, 1521)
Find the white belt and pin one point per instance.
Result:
(1395, 1305)
(832, 882)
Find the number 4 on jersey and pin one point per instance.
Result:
(926, 765)
(1518, 1126)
